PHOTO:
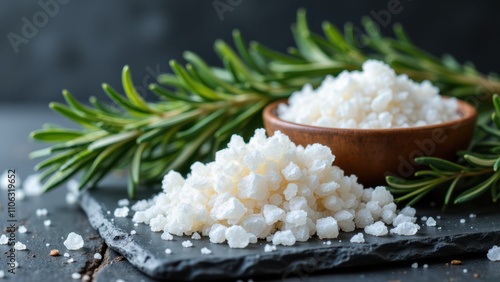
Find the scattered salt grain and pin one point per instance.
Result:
(423, 218)
(120, 280)
(167, 236)
(74, 241)
(430, 222)
(196, 236)
(47, 222)
(123, 202)
(285, 238)
(358, 238)
(66, 255)
(4, 239)
(426, 266)
(71, 198)
(168, 251)
(187, 244)
(22, 229)
(438, 217)
(376, 229)
(108, 212)
(439, 227)
(269, 248)
(71, 260)
(328, 243)
(41, 212)
(408, 211)
(205, 251)
(97, 256)
(462, 220)
(414, 265)
(2, 274)
(406, 229)
(72, 194)
(121, 212)
(76, 275)
(373, 98)
(494, 253)
(47, 244)
(133, 232)
(472, 215)
(19, 246)
(465, 270)
(32, 185)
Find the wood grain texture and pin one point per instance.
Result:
(372, 154)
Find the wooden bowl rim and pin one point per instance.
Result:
(467, 112)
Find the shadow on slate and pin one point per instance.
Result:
(146, 251)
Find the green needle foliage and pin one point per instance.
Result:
(477, 173)
(201, 106)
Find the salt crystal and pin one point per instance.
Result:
(285, 238)
(217, 233)
(2, 274)
(19, 246)
(358, 238)
(4, 239)
(408, 211)
(120, 280)
(196, 236)
(168, 251)
(430, 222)
(328, 243)
(47, 244)
(133, 232)
(414, 265)
(472, 215)
(438, 217)
(426, 266)
(423, 218)
(66, 255)
(406, 228)
(32, 185)
(494, 253)
(47, 222)
(187, 244)
(71, 260)
(76, 275)
(236, 237)
(465, 270)
(252, 239)
(22, 229)
(205, 251)
(462, 220)
(269, 248)
(41, 212)
(272, 214)
(121, 212)
(376, 229)
(71, 198)
(97, 256)
(108, 212)
(327, 228)
(123, 202)
(167, 236)
(74, 241)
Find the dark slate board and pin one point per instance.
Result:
(145, 250)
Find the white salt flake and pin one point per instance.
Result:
(358, 238)
(168, 251)
(22, 229)
(4, 239)
(47, 222)
(76, 275)
(2, 274)
(167, 236)
(494, 253)
(71, 260)
(425, 266)
(462, 220)
(97, 256)
(123, 202)
(377, 229)
(269, 248)
(430, 222)
(237, 237)
(74, 241)
(66, 255)
(205, 251)
(19, 246)
(32, 185)
(284, 238)
(406, 228)
(121, 212)
(187, 244)
(48, 244)
(414, 265)
(41, 212)
(196, 236)
(465, 270)
(472, 215)
(133, 232)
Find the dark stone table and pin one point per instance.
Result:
(35, 264)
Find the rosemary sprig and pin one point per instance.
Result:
(202, 106)
(477, 173)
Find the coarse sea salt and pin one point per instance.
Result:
(32, 185)
(269, 248)
(494, 253)
(187, 244)
(358, 238)
(4, 239)
(19, 246)
(168, 251)
(74, 241)
(22, 229)
(47, 222)
(205, 251)
(41, 212)
(76, 275)
(97, 256)
(374, 98)
(271, 189)
(123, 202)
(121, 212)
(430, 222)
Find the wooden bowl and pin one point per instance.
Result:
(372, 154)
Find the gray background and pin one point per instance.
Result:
(88, 42)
